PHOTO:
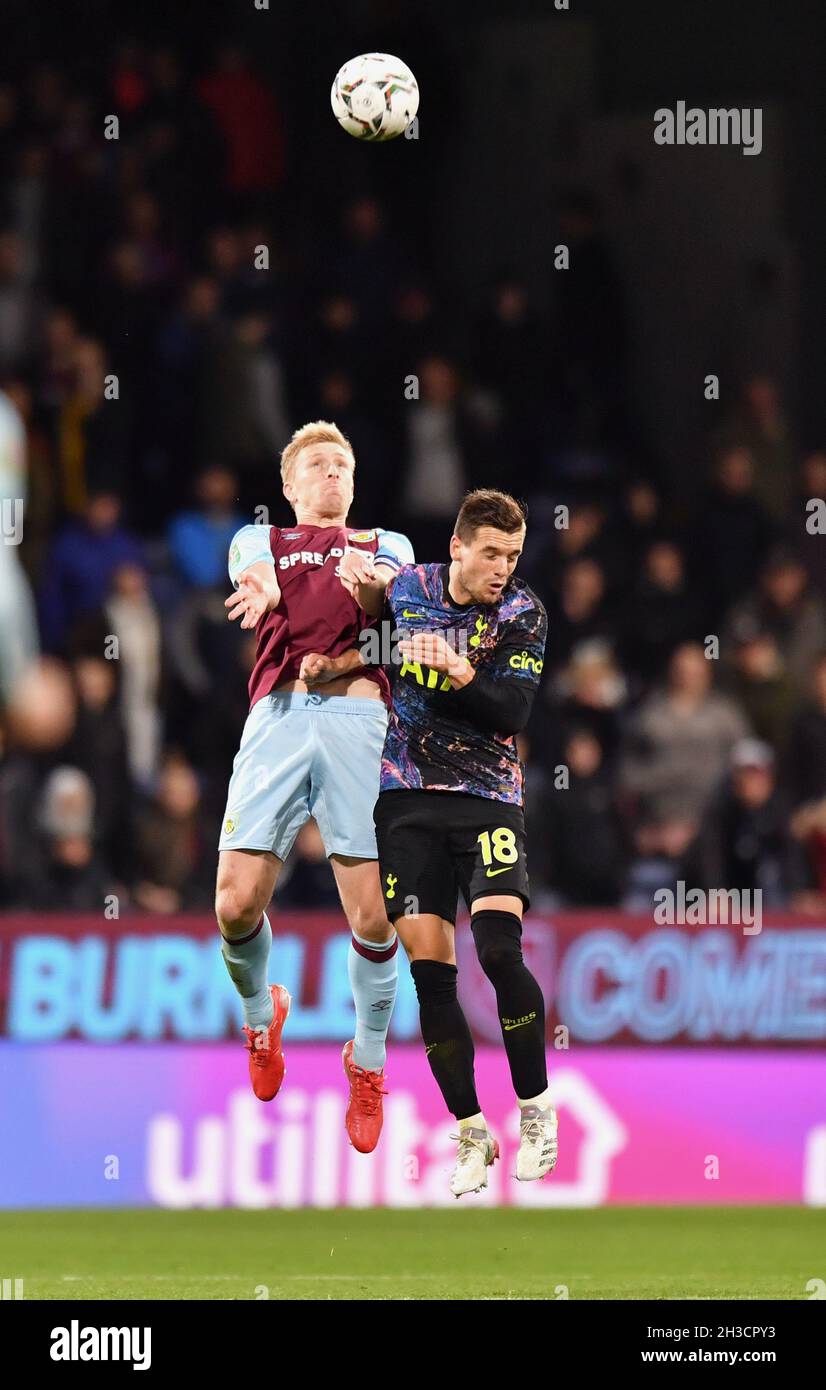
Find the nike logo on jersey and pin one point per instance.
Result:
(491, 873)
(406, 613)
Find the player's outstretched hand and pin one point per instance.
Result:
(250, 601)
(316, 669)
(432, 649)
(356, 567)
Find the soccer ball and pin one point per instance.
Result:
(375, 97)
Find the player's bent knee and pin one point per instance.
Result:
(371, 925)
(435, 981)
(426, 938)
(498, 940)
(237, 916)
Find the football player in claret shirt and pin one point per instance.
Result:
(449, 817)
(311, 746)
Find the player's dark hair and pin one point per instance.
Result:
(487, 507)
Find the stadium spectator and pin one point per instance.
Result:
(91, 446)
(785, 606)
(761, 685)
(69, 876)
(582, 612)
(806, 759)
(589, 693)
(733, 532)
(745, 841)
(508, 359)
(174, 868)
(588, 364)
(187, 339)
(154, 249)
(365, 259)
(587, 536)
(337, 341)
(676, 753)
(55, 370)
(84, 558)
(20, 308)
(247, 115)
(640, 521)
(577, 838)
(245, 410)
(420, 324)
(437, 431)
(759, 423)
(134, 624)
(664, 612)
(199, 539)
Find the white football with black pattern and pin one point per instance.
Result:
(375, 97)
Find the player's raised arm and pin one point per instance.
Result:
(366, 576)
(252, 571)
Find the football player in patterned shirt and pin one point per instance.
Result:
(449, 817)
(311, 746)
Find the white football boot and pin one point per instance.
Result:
(537, 1142)
(477, 1150)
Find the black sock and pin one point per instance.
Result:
(447, 1038)
(498, 937)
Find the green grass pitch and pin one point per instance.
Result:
(615, 1253)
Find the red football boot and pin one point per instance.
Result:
(364, 1117)
(267, 1065)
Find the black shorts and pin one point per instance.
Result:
(434, 845)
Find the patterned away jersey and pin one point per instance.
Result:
(427, 746)
(316, 613)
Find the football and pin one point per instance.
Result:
(375, 97)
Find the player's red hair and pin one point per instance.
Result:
(316, 432)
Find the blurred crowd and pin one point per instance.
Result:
(165, 324)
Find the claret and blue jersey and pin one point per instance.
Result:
(315, 613)
(429, 745)
(319, 754)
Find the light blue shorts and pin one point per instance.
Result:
(301, 756)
